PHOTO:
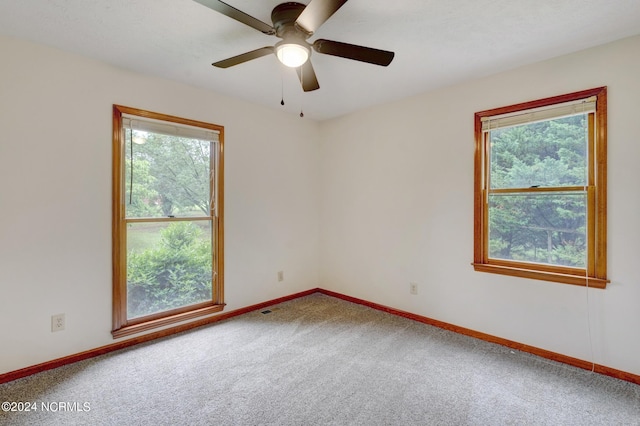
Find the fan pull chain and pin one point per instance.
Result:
(302, 81)
(281, 90)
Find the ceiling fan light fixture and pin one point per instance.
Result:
(292, 54)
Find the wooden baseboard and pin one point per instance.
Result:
(91, 353)
(601, 369)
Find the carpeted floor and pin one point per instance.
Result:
(318, 360)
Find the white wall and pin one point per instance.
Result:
(55, 196)
(393, 185)
(397, 206)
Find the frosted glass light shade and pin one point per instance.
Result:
(292, 55)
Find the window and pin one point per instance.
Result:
(167, 220)
(540, 189)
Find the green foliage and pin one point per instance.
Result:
(175, 273)
(171, 175)
(540, 227)
(166, 176)
(142, 186)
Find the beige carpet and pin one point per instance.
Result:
(318, 360)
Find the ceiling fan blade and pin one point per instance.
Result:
(307, 77)
(316, 13)
(352, 51)
(238, 15)
(254, 54)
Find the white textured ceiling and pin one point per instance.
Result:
(436, 42)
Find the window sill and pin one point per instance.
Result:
(127, 330)
(542, 275)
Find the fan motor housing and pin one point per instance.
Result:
(284, 17)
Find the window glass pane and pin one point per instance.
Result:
(544, 228)
(168, 266)
(546, 154)
(166, 176)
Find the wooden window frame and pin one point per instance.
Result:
(121, 325)
(595, 273)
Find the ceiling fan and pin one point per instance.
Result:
(294, 23)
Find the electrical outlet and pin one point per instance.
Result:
(57, 322)
(280, 275)
(413, 288)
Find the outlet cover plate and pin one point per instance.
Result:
(413, 288)
(57, 322)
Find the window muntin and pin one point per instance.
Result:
(167, 219)
(540, 189)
